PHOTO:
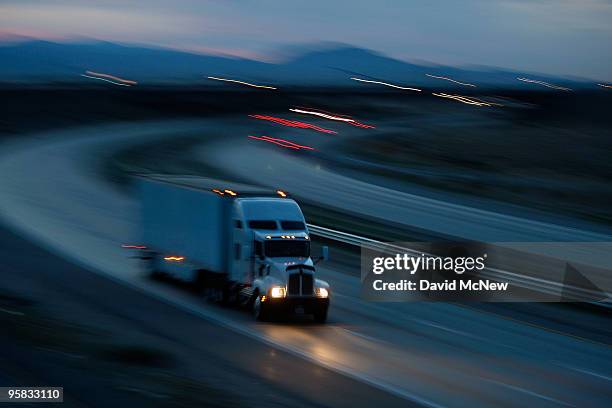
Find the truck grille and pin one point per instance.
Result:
(300, 284)
(307, 284)
(293, 288)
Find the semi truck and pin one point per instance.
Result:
(242, 244)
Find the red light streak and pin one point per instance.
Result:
(361, 125)
(292, 123)
(281, 142)
(128, 246)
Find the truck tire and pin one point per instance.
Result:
(199, 283)
(320, 315)
(260, 309)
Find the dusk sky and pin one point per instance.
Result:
(570, 37)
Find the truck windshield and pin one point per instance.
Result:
(263, 224)
(280, 249)
(292, 225)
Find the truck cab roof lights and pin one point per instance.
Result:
(214, 190)
(281, 193)
(230, 192)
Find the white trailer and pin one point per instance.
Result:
(244, 244)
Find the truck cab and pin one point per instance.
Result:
(278, 267)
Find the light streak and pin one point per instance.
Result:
(465, 99)
(323, 115)
(605, 86)
(105, 80)
(288, 142)
(241, 82)
(174, 258)
(111, 77)
(292, 123)
(450, 79)
(330, 116)
(386, 84)
(488, 103)
(281, 142)
(361, 125)
(129, 246)
(543, 83)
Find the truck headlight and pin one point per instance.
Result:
(322, 293)
(277, 292)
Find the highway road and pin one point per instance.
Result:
(431, 354)
(109, 344)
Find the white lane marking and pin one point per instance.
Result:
(528, 392)
(12, 312)
(584, 371)
(363, 336)
(385, 311)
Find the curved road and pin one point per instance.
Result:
(432, 354)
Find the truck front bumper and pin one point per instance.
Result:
(298, 305)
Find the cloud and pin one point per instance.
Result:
(60, 20)
(563, 14)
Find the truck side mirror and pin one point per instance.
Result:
(324, 254)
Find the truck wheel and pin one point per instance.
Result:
(320, 315)
(260, 309)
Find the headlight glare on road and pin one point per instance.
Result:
(277, 292)
(322, 293)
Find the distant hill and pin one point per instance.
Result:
(50, 61)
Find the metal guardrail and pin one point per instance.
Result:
(527, 282)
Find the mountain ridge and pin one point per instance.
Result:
(41, 60)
